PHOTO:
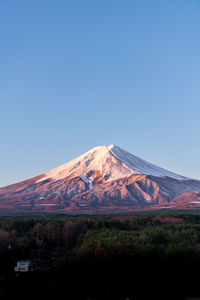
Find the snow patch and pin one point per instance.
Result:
(45, 204)
(165, 206)
(86, 180)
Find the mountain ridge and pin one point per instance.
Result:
(105, 179)
(100, 157)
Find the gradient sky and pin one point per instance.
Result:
(77, 74)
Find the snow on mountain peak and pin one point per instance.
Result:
(141, 166)
(109, 160)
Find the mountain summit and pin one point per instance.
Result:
(103, 180)
(111, 161)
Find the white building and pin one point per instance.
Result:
(23, 266)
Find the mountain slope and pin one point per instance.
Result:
(110, 161)
(105, 179)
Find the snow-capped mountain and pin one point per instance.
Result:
(111, 161)
(105, 179)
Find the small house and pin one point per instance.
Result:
(23, 266)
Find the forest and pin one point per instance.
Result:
(102, 257)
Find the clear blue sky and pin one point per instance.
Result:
(76, 74)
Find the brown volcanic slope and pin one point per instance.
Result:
(106, 179)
